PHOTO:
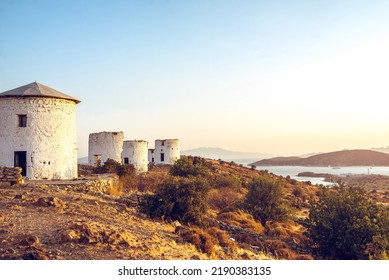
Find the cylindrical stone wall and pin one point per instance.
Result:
(40, 133)
(135, 152)
(105, 145)
(166, 151)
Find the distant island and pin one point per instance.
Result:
(334, 159)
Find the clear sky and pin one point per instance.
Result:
(277, 77)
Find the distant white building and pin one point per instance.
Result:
(38, 132)
(105, 145)
(135, 153)
(110, 145)
(166, 151)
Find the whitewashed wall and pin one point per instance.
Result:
(137, 153)
(50, 138)
(170, 148)
(107, 145)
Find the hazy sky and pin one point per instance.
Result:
(277, 77)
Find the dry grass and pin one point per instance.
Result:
(201, 239)
(243, 220)
(223, 238)
(91, 227)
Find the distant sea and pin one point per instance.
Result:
(292, 171)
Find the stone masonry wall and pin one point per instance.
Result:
(11, 175)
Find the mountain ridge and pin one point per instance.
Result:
(358, 157)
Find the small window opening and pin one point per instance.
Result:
(22, 120)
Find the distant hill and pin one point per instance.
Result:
(83, 160)
(219, 153)
(339, 158)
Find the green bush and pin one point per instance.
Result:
(228, 181)
(182, 199)
(266, 200)
(125, 170)
(108, 167)
(347, 225)
(112, 166)
(189, 166)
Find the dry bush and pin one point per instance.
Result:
(243, 220)
(202, 240)
(222, 198)
(115, 189)
(129, 183)
(223, 238)
(250, 240)
(280, 249)
(304, 257)
(290, 232)
(280, 230)
(276, 244)
(84, 170)
(285, 254)
(148, 182)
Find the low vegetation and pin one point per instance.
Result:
(195, 209)
(346, 224)
(182, 199)
(266, 200)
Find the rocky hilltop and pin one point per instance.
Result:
(339, 158)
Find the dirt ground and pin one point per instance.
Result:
(65, 222)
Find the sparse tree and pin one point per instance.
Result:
(183, 199)
(266, 200)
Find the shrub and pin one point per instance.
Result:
(241, 219)
(223, 238)
(228, 181)
(108, 167)
(298, 192)
(182, 199)
(202, 240)
(266, 200)
(125, 170)
(189, 166)
(347, 225)
(220, 199)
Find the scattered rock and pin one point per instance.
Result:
(50, 201)
(93, 233)
(30, 240)
(181, 229)
(35, 254)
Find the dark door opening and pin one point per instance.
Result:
(126, 161)
(162, 157)
(20, 160)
